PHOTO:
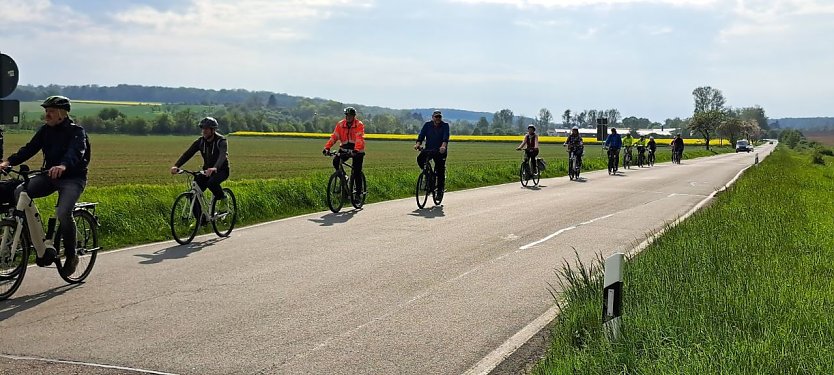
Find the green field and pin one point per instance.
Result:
(745, 286)
(275, 177)
(33, 110)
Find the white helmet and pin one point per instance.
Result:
(651, 137)
(574, 128)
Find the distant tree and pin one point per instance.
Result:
(567, 120)
(272, 102)
(708, 99)
(544, 119)
(162, 124)
(705, 124)
(613, 116)
(731, 128)
(482, 127)
(503, 118)
(109, 113)
(756, 114)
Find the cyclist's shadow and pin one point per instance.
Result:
(12, 306)
(429, 213)
(532, 187)
(331, 219)
(177, 251)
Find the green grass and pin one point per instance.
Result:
(33, 110)
(745, 286)
(273, 177)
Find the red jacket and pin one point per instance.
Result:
(355, 134)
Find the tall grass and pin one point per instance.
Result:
(746, 286)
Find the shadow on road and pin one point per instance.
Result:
(580, 179)
(429, 213)
(531, 187)
(177, 251)
(13, 306)
(335, 218)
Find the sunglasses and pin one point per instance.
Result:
(437, 116)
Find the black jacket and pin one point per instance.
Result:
(215, 153)
(62, 144)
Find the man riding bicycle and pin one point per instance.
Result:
(628, 141)
(66, 155)
(677, 146)
(641, 150)
(531, 140)
(614, 142)
(215, 152)
(436, 135)
(575, 145)
(350, 133)
(652, 146)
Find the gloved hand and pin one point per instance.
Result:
(325, 152)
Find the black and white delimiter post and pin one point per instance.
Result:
(612, 295)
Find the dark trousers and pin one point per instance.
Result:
(615, 152)
(213, 182)
(530, 157)
(358, 159)
(69, 190)
(439, 165)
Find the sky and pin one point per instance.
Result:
(642, 57)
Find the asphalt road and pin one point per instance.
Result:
(385, 290)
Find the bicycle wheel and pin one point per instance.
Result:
(13, 261)
(86, 246)
(335, 188)
(523, 175)
(358, 199)
(423, 189)
(437, 194)
(535, 174)
(224, 214)
(184, 224)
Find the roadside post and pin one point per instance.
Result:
(9, 109)
(612, 295)
(756, 162)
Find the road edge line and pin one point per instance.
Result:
(98, 365)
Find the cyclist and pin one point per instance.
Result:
(652, 146)
(531, 139)
(614, 142)
(214, 149)
(641, 149)
(350, 133)
(436, 135)
(628, 141)
(575, 145)
(66, 155)
(677, 146)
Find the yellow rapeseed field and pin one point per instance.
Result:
(459, 138)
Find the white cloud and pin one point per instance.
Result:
(584, 3)
(36, 13)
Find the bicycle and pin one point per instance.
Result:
(574, 164)
(526, 174)
(641, 156)
(676, 156)
(21, 229)
(190, 212)
(427, 182)
(650, 158)
(627, 158)
(341, 189)
(613, 156)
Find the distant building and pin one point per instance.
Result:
(588, 133)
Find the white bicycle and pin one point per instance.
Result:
(191, 211)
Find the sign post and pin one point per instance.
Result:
(612, 295)
(9, 76)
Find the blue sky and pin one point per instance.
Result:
(643, 57)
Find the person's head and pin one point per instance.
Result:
(209, 127)
(642, 137)
(531, 128)
(651, 138)
(350, 114)
(437, 116)
(678, 135)
(613, 130)
(574, 130)
(628, 135)
(56, 109)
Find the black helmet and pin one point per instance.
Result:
(350, 111)
(208, 122)
(57, 101)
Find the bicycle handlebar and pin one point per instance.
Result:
(23, 171)
(195, 174)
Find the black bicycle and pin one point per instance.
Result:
(427, 182)
(650, 158)
(575, 164)
(641, 156)
(627, 158)
(526, 174)
(341, 187)
(676, 156)
(613, 156)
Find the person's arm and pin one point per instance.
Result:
(223, 149)
(333, 138)
(421, 137)
(360, 137)
(76, 149)
(188, 154)
(523, 142)
(28, 150)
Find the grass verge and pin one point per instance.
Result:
(745, 286)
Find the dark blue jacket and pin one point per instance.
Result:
(434, 135)
(62, 144)
(614, 141)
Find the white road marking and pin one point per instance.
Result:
(17, 358)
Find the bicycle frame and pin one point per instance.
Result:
(200, 199)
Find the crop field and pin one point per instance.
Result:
(826, 138)
(148, 111)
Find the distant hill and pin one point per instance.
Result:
(805, 123)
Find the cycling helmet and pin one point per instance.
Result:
(350, 111)
(574, 128)
(650, 137)
(531, 126)
(208, 122)
(57, 101)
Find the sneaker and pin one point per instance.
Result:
(70, 264)
(47, 259)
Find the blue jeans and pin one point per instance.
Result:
(69, 190)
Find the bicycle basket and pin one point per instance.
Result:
(541, 164)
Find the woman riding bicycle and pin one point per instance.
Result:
(350, 133)
(531, 140)
(575, 145)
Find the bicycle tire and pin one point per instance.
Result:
(86, 246)
(355, 201)
(12, 266)
(523, 175)
(436, 193)
(230, 210)
(335, 192)
(422, 191)
(182, 216)
(536, 176)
